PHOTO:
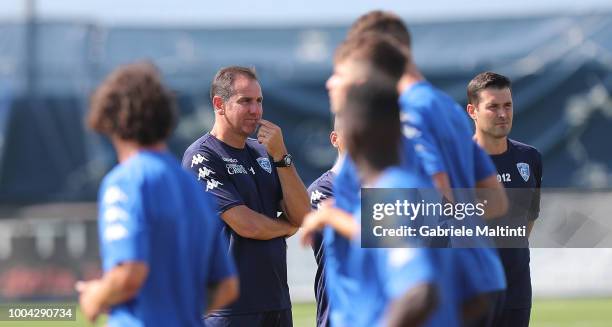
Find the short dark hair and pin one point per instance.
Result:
(484, 81)
(383, 22)
(381, 51)
(223, 83)
(371, 124)
(132, 104)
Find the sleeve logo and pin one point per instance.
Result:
(410, 132)
(316, 196)
(114, 195)
(212, 184)
(197, 159)
(115, 232)
(204, 172)
(114, 213)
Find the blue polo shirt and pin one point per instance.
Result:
(245, 177)
(152, 211)
(363, 282)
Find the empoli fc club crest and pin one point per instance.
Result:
(265, 164)
(523, 169)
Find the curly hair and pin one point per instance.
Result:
(132, 104)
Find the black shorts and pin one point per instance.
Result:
(281, 318)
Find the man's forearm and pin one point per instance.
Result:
(342, 222)
(114, 294)
(251, 224)
(222, 294)
(122, 283)
(273, 228)
(295, 196)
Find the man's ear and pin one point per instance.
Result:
(471, 110)
(218, 105)
(333, 138)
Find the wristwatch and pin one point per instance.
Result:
(286, 161)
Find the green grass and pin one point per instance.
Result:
(304, 314)
(570, 313)
(545, 313)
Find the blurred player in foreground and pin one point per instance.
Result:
(374, 287)
(518, 166)
(160, 238)
(319, 191)
(444, 148)
(374, 60)
(252, 180)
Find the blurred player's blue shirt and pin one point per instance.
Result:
(442, 135)
(362, 282)
(438, 138)
(443, 141)
(152, 211)
(346, 185)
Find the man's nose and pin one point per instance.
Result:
(255, 108)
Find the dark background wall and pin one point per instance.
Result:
(561, 67)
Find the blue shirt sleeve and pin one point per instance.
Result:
(221, 263)
(346, 186)
(210, 172)
(483, 165)
(414, 128)
(123, 230)
(320, 190)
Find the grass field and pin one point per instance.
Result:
(545, 313)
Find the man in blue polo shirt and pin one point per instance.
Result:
(518, 166)
(252, 180)
(441, 135)
(160, 239)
